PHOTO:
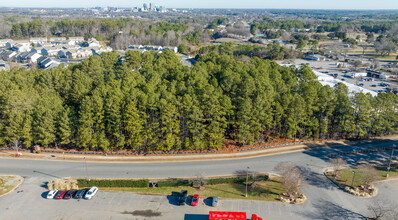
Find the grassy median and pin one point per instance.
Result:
(345, 176)
(264, 190)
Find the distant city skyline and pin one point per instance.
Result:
(261, 4)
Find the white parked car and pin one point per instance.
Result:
(51, 194)
(91, 193)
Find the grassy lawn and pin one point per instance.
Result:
(346, 175)
(8, 183)
(265, 190)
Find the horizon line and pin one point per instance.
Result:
(124, 7)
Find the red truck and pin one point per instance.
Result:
(231, 216)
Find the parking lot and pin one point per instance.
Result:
(30, 200)
(330, 67)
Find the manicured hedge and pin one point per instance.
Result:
(240, 179)
(162, 183)
(173, 182)
(113, 183)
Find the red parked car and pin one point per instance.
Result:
(69, 194)
(60, 194)
(195, 200)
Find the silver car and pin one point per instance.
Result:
(214, 202)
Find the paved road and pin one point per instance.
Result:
(313, 159)
(325, 201)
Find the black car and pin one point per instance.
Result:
(182, 198)
(69, 194)
(80, 194)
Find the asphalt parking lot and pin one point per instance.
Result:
(323, 199)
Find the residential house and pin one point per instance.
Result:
(8, 55)
(38, 40)
(317, 57)
(174, 49)
(58, 40)
(75, 40)
(28, 57)
(9, 44)
(47, 62)
(92, 42)
(21, 47)
(4, 65)
(72, 54)
(3, 42)
(158, 48)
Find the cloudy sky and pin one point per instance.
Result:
(298, 4)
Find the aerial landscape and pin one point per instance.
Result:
(208, 110)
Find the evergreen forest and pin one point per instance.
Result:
(152, 102)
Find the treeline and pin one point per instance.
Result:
(151, 102)
(273, 51)
(121, 32)
(320, 26)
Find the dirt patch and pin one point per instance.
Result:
(143, 213)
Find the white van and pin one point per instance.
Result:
(91, 193)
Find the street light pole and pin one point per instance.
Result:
(85, 162)
(247, 179)
(353, 177)
(389, 164)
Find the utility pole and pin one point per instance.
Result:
(247, 179)
(389, 164)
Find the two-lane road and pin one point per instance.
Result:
(315, 159)
(325, 201)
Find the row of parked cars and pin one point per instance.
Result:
(182, 199)
(76, 194)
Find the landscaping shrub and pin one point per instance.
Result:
(162, 183)
(173, 182)
(63, 184)
(240, 179)
(113, 183)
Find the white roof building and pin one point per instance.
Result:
(38, 40)
(3, 42)
(325, 79)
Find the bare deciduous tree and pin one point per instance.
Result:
(338, 164)
(291, 176)
(367, 174)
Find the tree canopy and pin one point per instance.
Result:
(151, 102)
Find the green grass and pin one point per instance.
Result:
(5, 188)
(265, 190)
(345, 176)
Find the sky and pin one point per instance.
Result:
(258, 4)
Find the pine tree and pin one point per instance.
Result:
(134, 126)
